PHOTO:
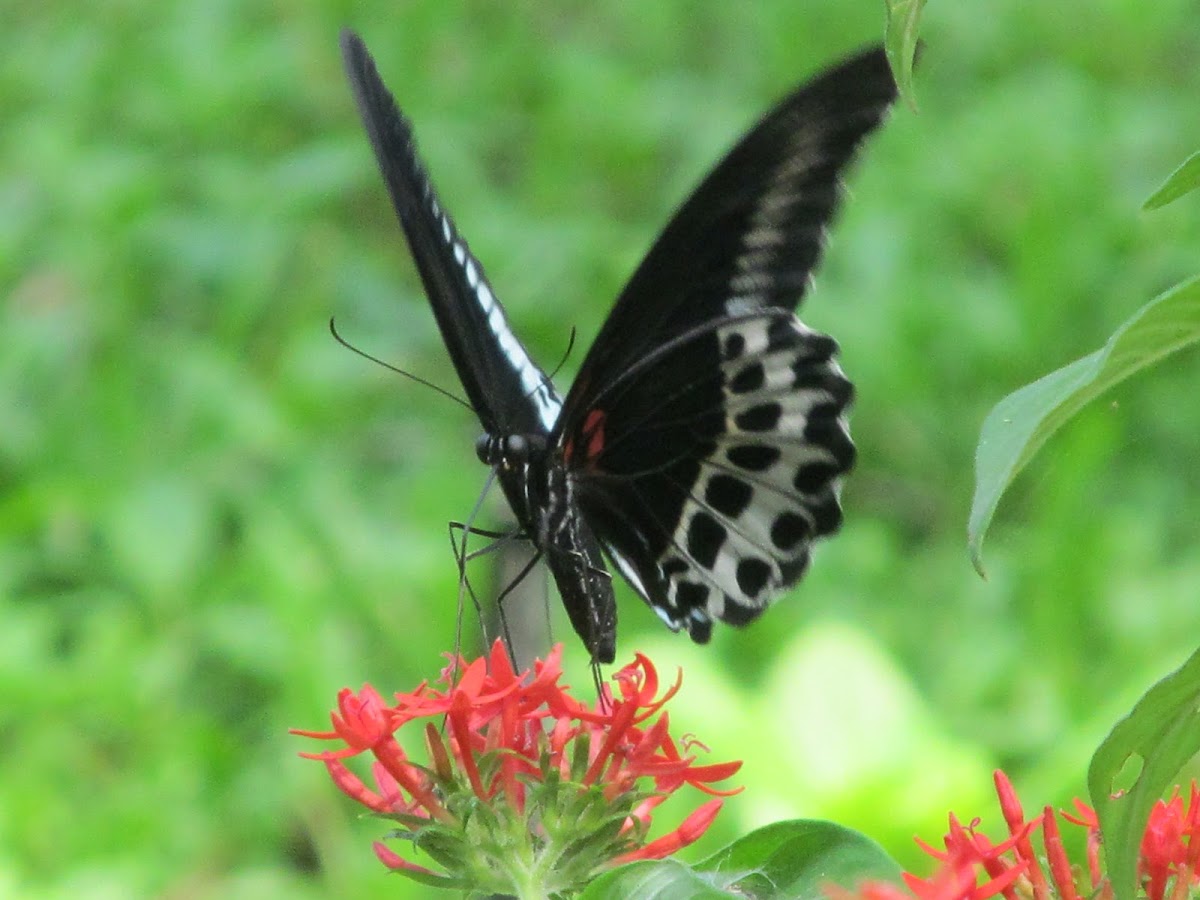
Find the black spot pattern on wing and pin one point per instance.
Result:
(734, 346)
(750, 379)
(759, 418)
(753, 457)
(789, 529)
(704, 539)
(752, 575)
(728, 495)
(690, 595)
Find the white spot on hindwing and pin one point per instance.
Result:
(746, 529)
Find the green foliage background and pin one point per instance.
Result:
(212, 517)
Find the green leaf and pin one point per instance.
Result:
(1020, 424)
(1185, 178)
(900, 42)
(784, 861)
(795, 858)
(655, 879)
(1162, 732)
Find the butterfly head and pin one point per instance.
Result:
(508, 451)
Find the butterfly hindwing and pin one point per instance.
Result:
(712, 481)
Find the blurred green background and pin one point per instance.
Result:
(213, 517)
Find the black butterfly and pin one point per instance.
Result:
(702, 444)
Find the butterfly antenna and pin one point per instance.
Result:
(566, 354)
(464, 585)
(375, 359)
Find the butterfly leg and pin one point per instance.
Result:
(484, 532)
(504, 594)
(581, 557)
(464, 583)
(500, 540)
(568, 548)
(462, 557)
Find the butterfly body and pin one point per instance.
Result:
(702, 444)
(540, 492)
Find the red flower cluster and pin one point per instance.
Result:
(973, 868)
(516, 757)
(1169, 864)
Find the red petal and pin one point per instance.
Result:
(459, 720)
(621, 720)
(714, 772)
(1060, 866)
(365, 719)
(499, 665)
(411, 779)
(690, 830)
(351, 785)
(1009, 804)
(396, 862)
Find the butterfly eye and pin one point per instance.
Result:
(485, 449)
(516, 448)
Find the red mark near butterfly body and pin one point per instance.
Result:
(593, 429)
(592, 434)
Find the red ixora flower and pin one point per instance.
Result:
(974, 868)
(525, 790)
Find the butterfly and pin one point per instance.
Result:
(702, 444)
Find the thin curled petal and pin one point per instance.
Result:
(396, 862)
(688, 832)
(351, 785)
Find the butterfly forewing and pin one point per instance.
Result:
(510, 394)
(752, 232)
